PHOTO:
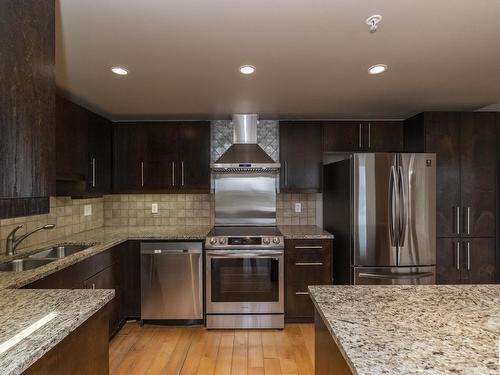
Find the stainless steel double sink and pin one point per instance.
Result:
(43, 257)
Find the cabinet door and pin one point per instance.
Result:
(443, 138)
(383, 136)
(71, 141)
(109, 278)
(342, 136)
(27, 106)
(449, 260)
(194, 156)
(99, 154)
(478, 177)
(301, 156)
(128, 144)
(160, 156)
(479, 261)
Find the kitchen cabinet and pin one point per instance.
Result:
(307, 262)
(83, 139)
(84, 351)
(301, 156)
(109, 278)
(27, 107)
(110, 269)
(162, 157)
(465, 261)
(363, 136)
(466, 185)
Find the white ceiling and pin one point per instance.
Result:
(311, 56)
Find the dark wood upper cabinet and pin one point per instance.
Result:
(340, 136)
(363, 136)
(161, 157)
(194, 155)
(27, 107)
(83, 142)
(465, 145)
(301, 156)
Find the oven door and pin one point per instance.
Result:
(244, 281)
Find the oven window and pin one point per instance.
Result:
(245, 280)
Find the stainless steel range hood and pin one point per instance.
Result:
(245, 155)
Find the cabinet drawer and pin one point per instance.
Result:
(303, 275)
(308, 250)
(298, 304)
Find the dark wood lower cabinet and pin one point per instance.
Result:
(116, 268)
(465, 260)
(327, 357)
(307, 262)
(84, 351)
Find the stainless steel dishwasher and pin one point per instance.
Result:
(171, 281)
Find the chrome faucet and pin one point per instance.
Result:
(13, 241)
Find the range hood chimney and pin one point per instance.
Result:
(245, 154)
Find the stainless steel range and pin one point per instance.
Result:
(244, 253)
(244, 278)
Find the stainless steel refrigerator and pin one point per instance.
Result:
(381, 208)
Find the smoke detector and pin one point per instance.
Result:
(373, 22)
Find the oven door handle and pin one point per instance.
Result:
(240, 254)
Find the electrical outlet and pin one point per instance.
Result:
(154, 208)
(298, 207)
(87, 210)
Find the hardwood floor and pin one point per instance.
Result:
(195, 350)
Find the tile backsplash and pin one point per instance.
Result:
(173, 210)
(66, 213)
(176, 210)
(285, 209)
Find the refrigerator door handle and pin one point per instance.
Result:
(415, 275)
(393, 202)
(403, 211)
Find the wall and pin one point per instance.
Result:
(175, 210)
(65, 212)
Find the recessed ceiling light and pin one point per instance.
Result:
(377, 69)
(120, 70)
(247, 69)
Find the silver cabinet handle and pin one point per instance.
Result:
(182, 173)
(457, 220)
(285, 163)
(467, 247)
(93, 172)
(142, 173)
(457, 249)
(93, 286)
(369, 135)
(415, 275)
(359, 136)
(309, 263)
(467, 220)
(173, 173)
(302, 293)
(308, 247)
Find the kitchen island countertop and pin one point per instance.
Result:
(431, 329)
(42, 318)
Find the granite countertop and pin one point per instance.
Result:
(431, 329)
(102, 239)
(62, 311)
(304, 232)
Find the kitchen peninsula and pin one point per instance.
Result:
(432, 329)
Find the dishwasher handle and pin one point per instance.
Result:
(169, 251)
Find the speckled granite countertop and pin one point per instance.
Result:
(292, 232)
(62, 311)
(103, 238)
(435, 329)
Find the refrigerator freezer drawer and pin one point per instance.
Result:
(395, 275)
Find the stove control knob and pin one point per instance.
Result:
(213, 241)
(222, 240)
(276, 240)
(266, 241)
